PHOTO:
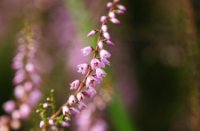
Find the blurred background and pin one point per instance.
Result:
(153, 81)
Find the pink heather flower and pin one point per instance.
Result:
(28, 86)
(104, 28)
(29, 67)
(19, 92)
(100, 44)
(103, 19)
(106, 35)
(74, 85)
(109, 4)
(16, 114)
(34, 97)
(110, 43)
(9, 106)
(80, 96)
(51, 122)
(120, 12)
(90, 92)
(91, 81)
(81, 105)
(25, 111)
(121, 7)
(104, 54)
(86, 50)
(100, 73)
(92, 33)
(65, 110)
(74, 111)
(115, 21)
(65, 124)
(82, 68)
(111, 14)
(72, 100)
(42, 124)
(19, 76)
(95, 63)
(104, 62)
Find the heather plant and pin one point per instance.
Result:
(26, 82)
(84, 90)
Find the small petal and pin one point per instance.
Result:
(74, 85)
(104, 54)
(104, 62)
(104, 28)
(120, 12)
(65, 110)
(80, 96)
(29, 67)
(115, 21)
(100, 73)
(72, 100)
(65, 124)
(92, 33)
(86, 50)
(106, 35)
(25, 111)
(95, 63)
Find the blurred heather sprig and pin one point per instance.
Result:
(26, 81)
(93, 72)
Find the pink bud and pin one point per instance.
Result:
(86, 50)
(25, 111)
(29, 67)
(100, 73)
(9, 106)
(104, 28)
(65, 110)
(121, 7)
(82, 68)
(104, 54)
(100, 44)
(19, 92)
(103, 19)
(95, 63)
(65, 124)
(71, 100)
(42, 124)
(92, 33)
(109, 4)
(116, 0)
(110, 43)
(74, 85)
(111, 14)
(104, 62)
(106, 35)
(51, 122)
(115, 21)
(80, 96)
(120, 12)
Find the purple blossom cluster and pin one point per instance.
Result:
(93, 71)
(26, 81)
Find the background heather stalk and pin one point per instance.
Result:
(26, 80)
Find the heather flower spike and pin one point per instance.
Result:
(27, 90)
(85, 90)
